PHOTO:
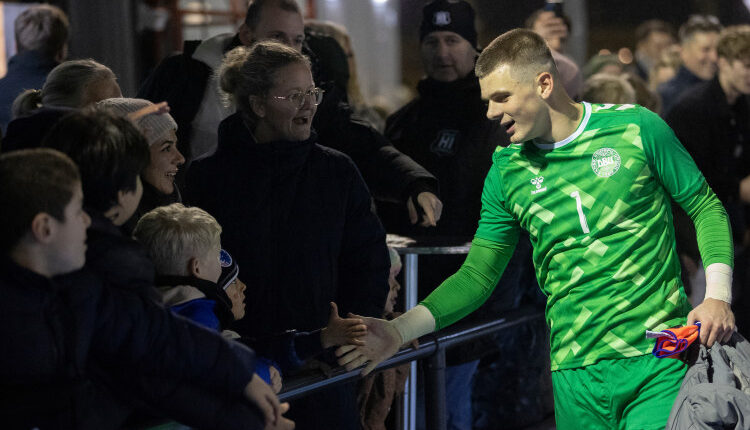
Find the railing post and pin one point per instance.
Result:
(435, 390)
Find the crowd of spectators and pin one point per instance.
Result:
(125, 220)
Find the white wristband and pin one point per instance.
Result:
(719, 282)
(417, 322)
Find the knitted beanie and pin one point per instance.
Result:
(153, 126)
(445, 15)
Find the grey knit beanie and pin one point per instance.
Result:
(154, 127)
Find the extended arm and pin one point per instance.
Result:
(455, 298)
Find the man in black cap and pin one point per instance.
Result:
(445, 130)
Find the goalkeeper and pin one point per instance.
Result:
(592, 185)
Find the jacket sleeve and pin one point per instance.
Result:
(364, 261)
(390, 175)
(132, 332)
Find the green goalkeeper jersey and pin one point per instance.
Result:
(597, 208)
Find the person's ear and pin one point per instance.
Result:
(42, 227)
(245, 35)
(258, 106)
(194, 267)
(544, 84)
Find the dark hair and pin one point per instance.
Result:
(109, 150)
(42, 28)
(250, 71)
(33, 181)
(531, 20)
(644, 30)
(523, 49)
(255, 8)
(699, 24)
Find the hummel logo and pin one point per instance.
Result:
(537, 182)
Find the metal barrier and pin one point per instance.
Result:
(431, 347)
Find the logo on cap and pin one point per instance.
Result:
(441, 17)
(225, 259)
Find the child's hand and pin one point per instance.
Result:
(259, 393)
(275, 379)
(342, 331)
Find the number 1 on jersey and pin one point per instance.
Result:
(581, 216)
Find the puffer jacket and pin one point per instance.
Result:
(715, 393)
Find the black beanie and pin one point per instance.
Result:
(444, 15)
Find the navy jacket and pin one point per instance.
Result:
(671, 91)
(298, 219)
(52, 331)
(26, 71)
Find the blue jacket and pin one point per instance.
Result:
(26, 71)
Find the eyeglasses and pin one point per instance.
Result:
(298, 98)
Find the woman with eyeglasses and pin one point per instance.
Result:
(296, 214)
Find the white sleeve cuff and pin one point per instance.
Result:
(417, 322)
(719, 282)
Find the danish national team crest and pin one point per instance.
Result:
(441, 17)
(445, 143)
(605, 162)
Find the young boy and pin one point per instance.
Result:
(55, 326)
(184, 244)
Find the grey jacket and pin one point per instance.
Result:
(715, 393)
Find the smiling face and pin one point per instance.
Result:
(166, 160)
(447, 56)
(699, 54)
(67, 246)
(516, 104)
(282, 119)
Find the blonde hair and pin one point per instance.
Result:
(734, 43)
(66, 85)
(173, 234)
(251, 71)
(607, 88)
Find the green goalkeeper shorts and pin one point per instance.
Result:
(627, 393)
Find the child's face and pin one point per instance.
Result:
(67, 245)
(236, 293)
(209, 266)
(390, 301)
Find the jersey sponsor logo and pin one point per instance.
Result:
(537, 183)
(605, 162)
(445, 143)
(441, 18)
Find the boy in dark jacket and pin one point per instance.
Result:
(55, 323)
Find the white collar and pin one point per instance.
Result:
(579, 130)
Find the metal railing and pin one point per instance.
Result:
(431, 347)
